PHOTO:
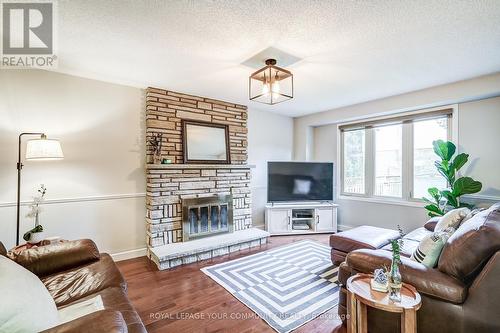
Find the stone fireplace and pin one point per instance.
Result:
(196, 211)
(204, 217)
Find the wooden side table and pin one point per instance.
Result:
(360, 296)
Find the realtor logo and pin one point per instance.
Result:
(28, 34)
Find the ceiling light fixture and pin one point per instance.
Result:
(271, 84)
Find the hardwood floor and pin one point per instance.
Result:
(184, 299)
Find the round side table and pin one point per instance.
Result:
(360, 296)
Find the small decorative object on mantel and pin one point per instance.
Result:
(380, 282)
(36, 234)
(156, 142)
(166, 161)
(395, 280)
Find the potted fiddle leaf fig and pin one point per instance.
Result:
(441, 201)
(36, 235)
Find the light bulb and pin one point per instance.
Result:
(275, 87)
(265, 88)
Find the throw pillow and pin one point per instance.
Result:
(452, 219)
(430, 247)
(431, 223)
(26, 305)
(471, 214)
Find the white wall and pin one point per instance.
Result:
(100, 126)
(327, 150)
(270, 138)
(479, 136)
(97, 191)
(478, 131)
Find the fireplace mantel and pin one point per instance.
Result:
(151, 166)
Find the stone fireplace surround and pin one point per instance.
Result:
(168, 185)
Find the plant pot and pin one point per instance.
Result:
(36, 237)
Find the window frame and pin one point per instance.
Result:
(407, 120)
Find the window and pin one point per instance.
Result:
(425, 174)
(354, 161)
(393, 158)
(388, 160)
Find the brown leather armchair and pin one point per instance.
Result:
(459, 295)
(74, 271)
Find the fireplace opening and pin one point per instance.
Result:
(207, 216)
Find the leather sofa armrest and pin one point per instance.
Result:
(427, 280)
(3, 251)
(104, 321)
(57, 257)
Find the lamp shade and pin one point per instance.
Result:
(43, 149)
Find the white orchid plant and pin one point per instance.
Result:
(35, 210)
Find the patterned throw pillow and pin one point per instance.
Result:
(430, 247)
(452, 219)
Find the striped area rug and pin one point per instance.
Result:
(286, 286)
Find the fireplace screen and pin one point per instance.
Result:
(207, 216)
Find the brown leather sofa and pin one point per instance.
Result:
(74, 271)
(460, 295)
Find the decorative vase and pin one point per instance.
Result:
(37, 220)
(36, 237)
(395, 282)
(157, 159)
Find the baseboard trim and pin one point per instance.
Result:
(130, 254)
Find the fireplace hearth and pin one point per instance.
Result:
(208, 216)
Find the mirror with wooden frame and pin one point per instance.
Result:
(205, 143)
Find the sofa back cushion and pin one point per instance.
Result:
(471, 246)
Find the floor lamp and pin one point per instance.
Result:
(36, 149)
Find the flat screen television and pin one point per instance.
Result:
(299, 181)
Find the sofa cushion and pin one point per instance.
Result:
(104, 321)
(364, 237)
(430, 247)
(407, 248)
(26, 305)
(452, 219)
(79, 309)
(417, 234)
(71, 285)
(115, 298)
(471, 246)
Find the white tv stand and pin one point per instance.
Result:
(301, 218)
